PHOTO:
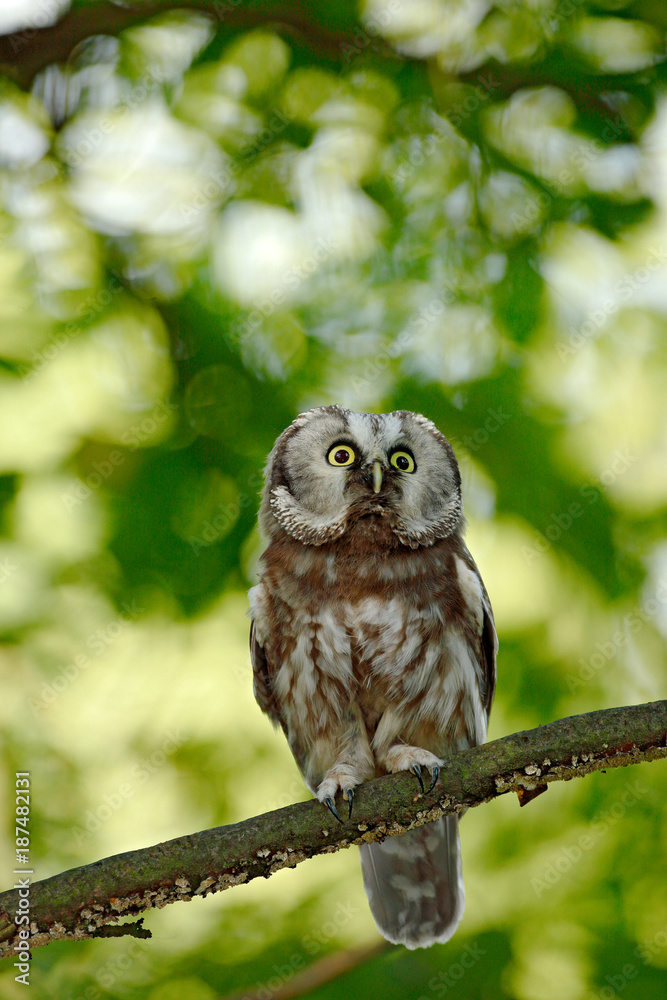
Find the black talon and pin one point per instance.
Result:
(417, 771)
(349, 795)
(434, 777)
(331, 806)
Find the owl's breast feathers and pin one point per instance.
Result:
(384, 629)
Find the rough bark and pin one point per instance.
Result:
(83, 902)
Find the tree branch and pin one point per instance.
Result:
(77, 904)
(25, 53)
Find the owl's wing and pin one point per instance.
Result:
(486, 641)
(489, 650)
(262, 671)
(262, 686)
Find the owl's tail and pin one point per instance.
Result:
(414, 884)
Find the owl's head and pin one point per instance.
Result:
(333, 469)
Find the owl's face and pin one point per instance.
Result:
(333, 468)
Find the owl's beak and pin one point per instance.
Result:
(377, 477)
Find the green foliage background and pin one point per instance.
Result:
(217, 219)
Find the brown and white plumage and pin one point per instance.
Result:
(372, 637)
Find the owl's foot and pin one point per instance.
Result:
(331, 806)
(327, 789)
(417, 771)
(405, 758)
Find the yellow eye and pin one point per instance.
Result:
(341, 454)
(403, 460)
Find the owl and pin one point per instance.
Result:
(372, 640)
